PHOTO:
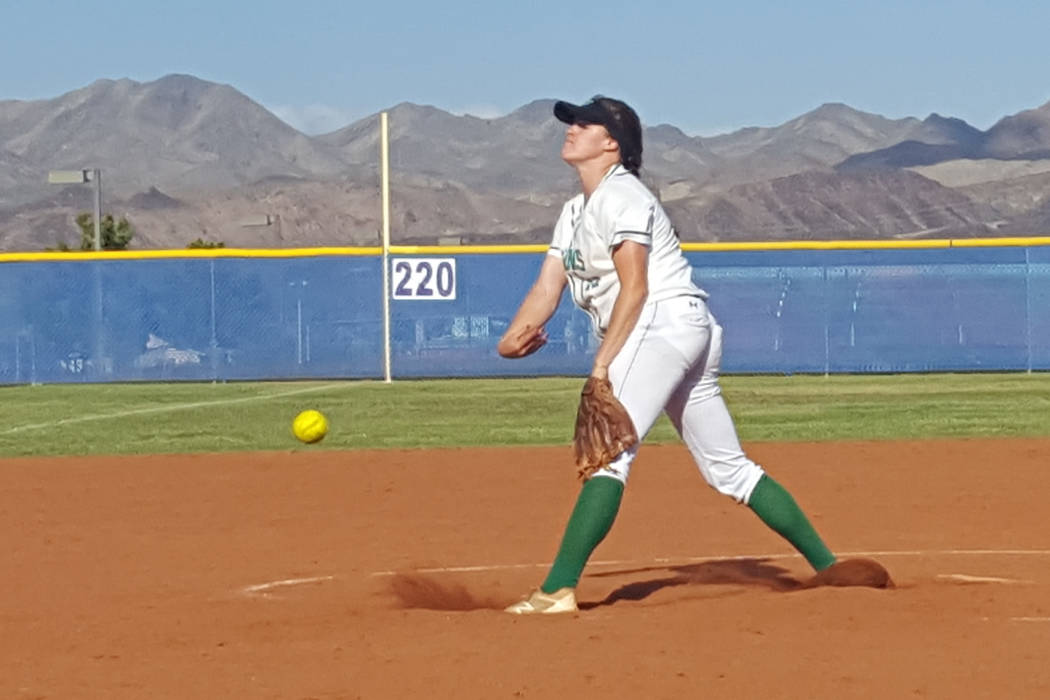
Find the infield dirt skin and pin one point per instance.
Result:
(381, 574)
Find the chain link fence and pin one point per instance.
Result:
(235, 316)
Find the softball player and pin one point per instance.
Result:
(615, 248)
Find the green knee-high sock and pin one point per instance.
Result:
(591, 520)
(774, 505)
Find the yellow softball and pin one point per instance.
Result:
(310, 426)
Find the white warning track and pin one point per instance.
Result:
(173, 407)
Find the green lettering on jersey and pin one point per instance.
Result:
(572, 259)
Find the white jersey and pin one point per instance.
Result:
(620, 209)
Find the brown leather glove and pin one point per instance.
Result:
(603, 428)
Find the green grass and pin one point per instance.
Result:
(165, 418)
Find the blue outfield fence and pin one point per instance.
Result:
(238, 316)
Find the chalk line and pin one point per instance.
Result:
(263, 589)
(473, 568)
(966, 578)
(170, 408)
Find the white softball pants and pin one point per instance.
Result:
(670, 363)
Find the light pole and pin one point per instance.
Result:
(76, 177)
(299, 286)
(214, 348)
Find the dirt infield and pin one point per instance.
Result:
(380, 574)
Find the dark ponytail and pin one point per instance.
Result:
(632, 163)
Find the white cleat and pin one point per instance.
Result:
(562, 600)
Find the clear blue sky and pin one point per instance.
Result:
(706, 67)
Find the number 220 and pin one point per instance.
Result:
(424, 279)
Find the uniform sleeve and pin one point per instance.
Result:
(562, 238)
(630, 218)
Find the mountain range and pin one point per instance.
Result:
(183, 158)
